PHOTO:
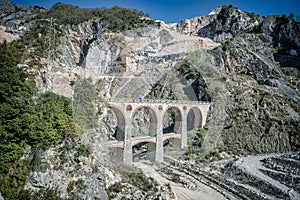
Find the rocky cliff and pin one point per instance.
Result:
(252, 59)
(17, 19)
(252, 79)
(246, 65)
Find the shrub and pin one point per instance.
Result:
(113, 19)
(117, 187)
(83, 150)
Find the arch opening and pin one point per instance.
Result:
(144, 122)
(116, 121)
(171, 144)
(172, 121)
(144, 151)
(194, 123)
(172, 129)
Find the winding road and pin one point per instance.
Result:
(253, 165)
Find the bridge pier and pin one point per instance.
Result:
(184, 130)
(159, 154)
(127, 158)
(151, 153)
(204, 112)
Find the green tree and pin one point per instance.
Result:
(84, 103)
(292, 16)
(54, 120)
(284, 16)
(17, 108)
(114, 19)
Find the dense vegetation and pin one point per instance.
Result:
(26, 119)
(84, 101)
(16, 108)
(113, 19)
(33, 121)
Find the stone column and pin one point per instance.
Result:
(151, 151)
(204, 111)
(178, 126)
(152, 129)
(184, 128)
(127, 159)
(159, 153)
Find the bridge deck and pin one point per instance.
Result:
(158, 101)
(140, 139)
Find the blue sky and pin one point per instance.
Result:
(176, 10)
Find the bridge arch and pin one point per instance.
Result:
(151, 130)
(145, 148)
(172, 125)
(143, 140)
(194, 121)
(120, 129)
(172, 119)
(172, 140)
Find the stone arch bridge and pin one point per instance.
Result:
(125, 110)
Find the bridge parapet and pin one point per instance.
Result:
(158, 101)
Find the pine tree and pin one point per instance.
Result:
(17, 108)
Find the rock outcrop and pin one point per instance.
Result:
(17, 19)
(146, 53)
(226, 22)
(8, 37)
(78, 168)
(256, 63)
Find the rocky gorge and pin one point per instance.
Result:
(246, 65)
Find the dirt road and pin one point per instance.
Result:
(253, 166)
(202, 192)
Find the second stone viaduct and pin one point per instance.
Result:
(125, 109)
